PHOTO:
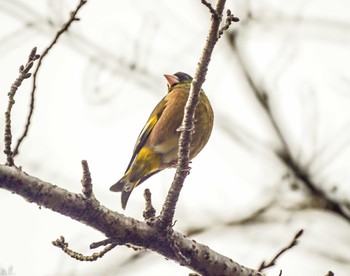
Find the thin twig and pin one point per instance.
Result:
(167, 214)
(61, 243)
(229, 19)
(63, 29)
(102, 243)
(23, 74)
(293, 243)
(211, 9)
(86, 181)
(149, 212)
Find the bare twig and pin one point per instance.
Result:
(293, 243)
(211, 9)
(86, 181)
(61, 243)
(23, 74)
(149, 212)
(63, 29)
(114, 241)
(229, 19)
(166, 216)
(102, 243)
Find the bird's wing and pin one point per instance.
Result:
(147, 129)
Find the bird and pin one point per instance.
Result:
(157, 145)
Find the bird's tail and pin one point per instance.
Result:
(124, 186)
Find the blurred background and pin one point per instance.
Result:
(278, 159)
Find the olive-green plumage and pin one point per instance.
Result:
(157, 145)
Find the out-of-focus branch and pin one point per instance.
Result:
(63, 29)
(122, 230)
(23, 74)
(166, 216)
(273, 261)
(284, 153)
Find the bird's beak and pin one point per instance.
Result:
(171, 79)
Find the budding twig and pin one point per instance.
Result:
(23, 74)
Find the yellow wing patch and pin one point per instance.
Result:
(142, 138)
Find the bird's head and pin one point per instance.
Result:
(177, 78)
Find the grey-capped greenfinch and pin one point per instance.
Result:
(157, 146)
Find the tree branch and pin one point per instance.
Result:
(167, 214)
(284, 153)
(86, 181)
(63, 29)
(272, 262)
(61, 243)
(149, 213)
(121, 229)
(118, 229)
(23, 74)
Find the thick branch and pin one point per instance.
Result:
(123, 229)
